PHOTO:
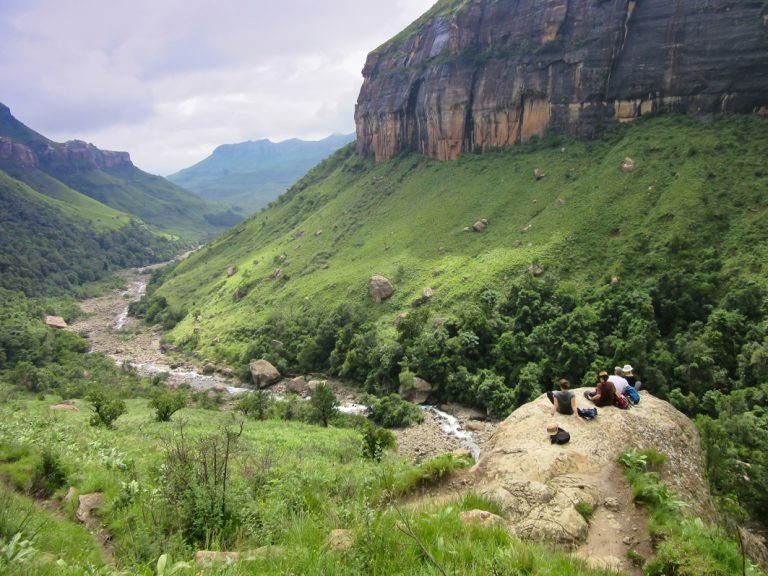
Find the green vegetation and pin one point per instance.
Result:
(393, 412)
(684, 545)
(51, 247)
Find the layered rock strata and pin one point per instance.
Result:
(475, 75)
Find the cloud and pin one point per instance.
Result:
(169, 81)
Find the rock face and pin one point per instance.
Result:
(539, 484)
(418, 393)
(488, 74)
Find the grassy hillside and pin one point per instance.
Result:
(69, 176)
(53, 245)
(250, 175)
(695, 186)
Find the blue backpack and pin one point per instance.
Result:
(632, 394)
(587, 413)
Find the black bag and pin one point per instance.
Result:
(560, 437)
(587, 413)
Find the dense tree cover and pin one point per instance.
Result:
(41, 359)
(44, 252)
(696, 337)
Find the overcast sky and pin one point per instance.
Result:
(169, 80)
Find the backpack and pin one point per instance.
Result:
(632, 394)
(620, 401)
(587, 413)
(560, 437)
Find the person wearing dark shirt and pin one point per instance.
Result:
(564, 401)
(604, 394)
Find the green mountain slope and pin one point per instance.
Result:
(250, 175)
(694, 185)
(52, 246)
(108, 177)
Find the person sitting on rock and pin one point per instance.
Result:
(629, 376)
(564, 401)
(604, 394)
(618, 380)
(557, 435)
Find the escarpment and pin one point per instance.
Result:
(481, 74)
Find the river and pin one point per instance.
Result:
(110, 330)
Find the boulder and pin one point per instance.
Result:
(208, 368)
(399, 318)
(340, 540)
(313, 384)
(479, 226)
(427, 293)
(628, 165)
(231, 271)
(480, 518)
(55, 322)
(474, 426)
(263, 373)
(538, 174)
(380, 288)
(277, 345)
(537, 484)
(418, 393)
(297, 385)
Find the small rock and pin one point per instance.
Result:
(437, 272)
(628, 165)
(474, 426)
(467, 229)
(480, 517)
(428, 293)
(527, 229)
(297, 385)
(479, 226)
(538, 174)
(627, 540)
(276, 345)
(203, 557)
(231, 271)
(276, 274)
(615, 280)
(536, 270)
(71, 493)
(209, 369)
(611, 504)
(340, 540)
(55, 322)
(87, 506)
(298, 234)
(399, 319)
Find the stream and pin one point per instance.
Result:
(110, 330)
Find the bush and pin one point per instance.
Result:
(393, 412)
(256, 404)
(166, 403)
(376, 441)
(105, 410)
(324, 404)
(48, 474)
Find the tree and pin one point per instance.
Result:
(166, 403)
(105, 409)
(324, 404)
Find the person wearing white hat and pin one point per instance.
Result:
(629, 376)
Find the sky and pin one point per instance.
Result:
(169, 80)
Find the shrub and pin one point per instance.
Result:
(48, 474)
(393, 412)
(324, 404)
(105, 410)
(167, 403)
(256, 404)
(585, 509)
(376, 441)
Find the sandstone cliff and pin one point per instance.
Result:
(24, 148)
(473, 75)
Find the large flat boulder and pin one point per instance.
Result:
(263, 373)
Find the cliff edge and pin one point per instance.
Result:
(539, 485)
(474, 75)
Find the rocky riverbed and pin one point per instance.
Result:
(111, 331)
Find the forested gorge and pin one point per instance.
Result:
(44, 252)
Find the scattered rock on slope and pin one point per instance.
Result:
(380, 288)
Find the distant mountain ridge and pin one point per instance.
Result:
(108, 177)
(251, 174)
